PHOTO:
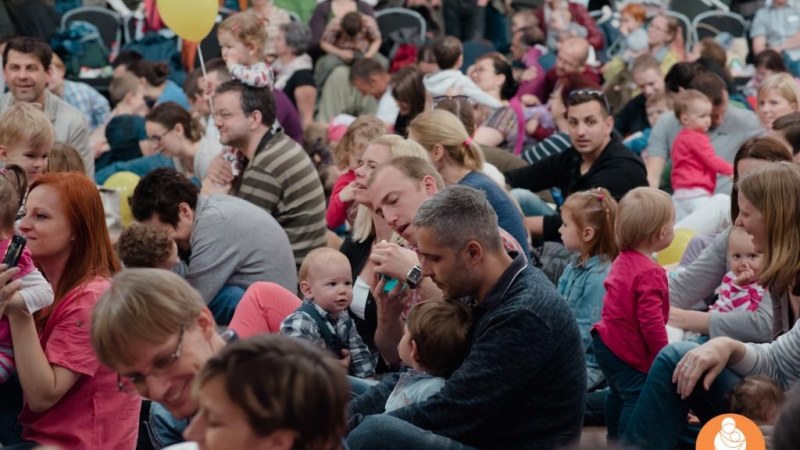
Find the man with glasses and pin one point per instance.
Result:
(154, 329)
(596, 159)
(268, 168)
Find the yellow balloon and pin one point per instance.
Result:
(189, 19)
(124, 183)
(673, 253)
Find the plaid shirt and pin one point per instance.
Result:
(335, 36)
(88, 101)
(301, 325)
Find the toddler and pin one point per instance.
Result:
(326, 282)
(655, 106)
(36, 293)
(587, 229)
(348, 157)
(631, 25)
(435, 342)
(141, 245)
(561, 27)
(26, 136)
(694, 164)
(632, 329)
(759, 399)
(242, 38)
(449, 56)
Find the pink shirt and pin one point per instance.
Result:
(694, 163)
(93, 414)
(635, 310)
(262, 309)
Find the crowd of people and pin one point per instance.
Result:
(336, 245)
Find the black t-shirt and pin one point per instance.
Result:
(303, 77)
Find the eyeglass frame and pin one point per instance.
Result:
(596, 94)
(171, 359)
(159, 139)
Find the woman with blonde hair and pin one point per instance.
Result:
(769, 210)
(778, 96)
(369, 229)
(460, 161)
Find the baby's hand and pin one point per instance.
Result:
(347, 194)
(746, 277)
(344, 361)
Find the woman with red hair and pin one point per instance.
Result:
(69, 399)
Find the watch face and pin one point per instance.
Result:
(414, 276)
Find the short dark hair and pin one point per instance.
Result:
(126, 58)
(352, 23)
(160, 192)
(440, 329)
(364, 68)
(446, 51)
(581, 96)
(29, 46)
(155, 73)
(252, 99)
(218, 66)
(711, 85)
(789, 125)
(191, 85)
(502, 67)
(680, 75)
(771, 60)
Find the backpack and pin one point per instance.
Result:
(80, 45)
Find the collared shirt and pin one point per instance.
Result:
(301, 325)
(88, 101)
(777, 24)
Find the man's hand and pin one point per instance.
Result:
(393, 260)
(219, 171)
(344, 361)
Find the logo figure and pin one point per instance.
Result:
(730, 432)
(729, 437)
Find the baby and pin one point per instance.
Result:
(739, 289)
(655, 106)
(141, 245)
(759, 399)
(434, 344)
(326, 282)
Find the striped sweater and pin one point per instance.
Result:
(282, 180)
(779, 360)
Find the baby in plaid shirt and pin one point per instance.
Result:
(326, 281)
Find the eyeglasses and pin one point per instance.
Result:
(594, 94)
(135, 382)
(156, 139)
(458, 98)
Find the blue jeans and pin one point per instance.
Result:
(624, 387)
(660, 413)
(163, 428)
(531, 204)
(792, 65)
(385, 432)
(359, 385)
(224, 303)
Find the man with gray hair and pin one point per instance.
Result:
(516, 386)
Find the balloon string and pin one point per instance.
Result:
(205, 77)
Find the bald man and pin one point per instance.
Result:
(571, 58)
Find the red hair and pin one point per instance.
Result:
(92, 254)
(635, 10)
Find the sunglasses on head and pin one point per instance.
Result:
(592, 93)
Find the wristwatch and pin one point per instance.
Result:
(414, 277)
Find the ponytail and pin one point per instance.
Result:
(473, 155)
(596, 209)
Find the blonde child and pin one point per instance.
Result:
(434, 343)
(632, 328)
(694, 164)
(26, 136)
(347, 155)
(326, 282)
(36, 293)
(242, 38)
(587, 229)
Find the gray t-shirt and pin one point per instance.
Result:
(236, 243)
(738, 126)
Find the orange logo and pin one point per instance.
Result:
(730, 432)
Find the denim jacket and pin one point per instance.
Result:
(582, 286)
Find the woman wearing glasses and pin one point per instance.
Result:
(69, 398)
